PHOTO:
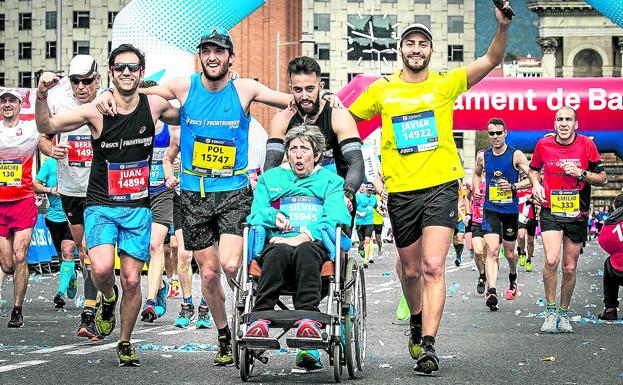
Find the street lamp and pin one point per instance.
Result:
(306, 38)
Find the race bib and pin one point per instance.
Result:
(497, 195)
(11, 173)
(214, 157)
(80, 154)
(303, 212)
(128, 181)
(415, 132)
(565, 203)
(156, 173)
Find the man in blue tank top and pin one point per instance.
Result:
(215, 193)
(117, 203)
(501, 164)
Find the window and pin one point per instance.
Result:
(421, 1)
(322, 51)
(50, 49)
(50, 20)
(2, 21)
(24, 50)
(455, 24)
(422, 19)
(25, 21)
(111, 19)
(388, 1)
(81, 19)
(455, 1)
(25, 80)
(355, 1)
(321, 22)
(325, 77)
(455, 53)
(81, 47)
(458, 139)
(1, 79)
(1, 51)
(381, 46)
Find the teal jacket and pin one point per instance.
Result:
(365, 204)
(322, 194)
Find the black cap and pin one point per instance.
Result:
(417, 27)
(219, 36)
(370, 186)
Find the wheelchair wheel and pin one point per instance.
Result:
(359, 319)
(336, 351)
(348, 311)
(246, 364)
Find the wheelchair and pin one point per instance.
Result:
(344, 322)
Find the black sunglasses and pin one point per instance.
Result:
(498, 133)
(120, 67)
(75, 81)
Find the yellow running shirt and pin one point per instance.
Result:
(417, 145)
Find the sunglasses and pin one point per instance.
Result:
(75, 81)
(494, 133)
(120, 67)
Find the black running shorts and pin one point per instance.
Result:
(573, 229)
(364, 231)
(378, 230)
(74, 209)
(411, 211)
(505, 225)
(205, 219)
(477, 230)
(59, 232)
(530, 226)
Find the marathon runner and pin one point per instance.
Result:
(571, 165)
(611, 240)
(366, 203)
(18, 212)
(502, 164)
(527, 225)
(117, 204)
(74, 155)
(421, 166)
(478, 240)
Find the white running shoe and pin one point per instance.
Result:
(549, 325)
(563, 323)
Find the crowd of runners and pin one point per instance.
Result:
(129, 175)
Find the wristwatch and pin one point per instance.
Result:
(583, 175)
(513, 187)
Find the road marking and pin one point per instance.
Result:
(149, 329)
(381, 290)
(96, 348)
(390, 283)
(54, 349)
(171, 332)
(24, 364)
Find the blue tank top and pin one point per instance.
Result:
(156, 173)
(214, 139)
(500, 167)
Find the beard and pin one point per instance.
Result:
(223, 72)
(415, 68)
(314, 110)
(123, 91)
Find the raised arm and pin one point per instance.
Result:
(345, 128)
(255, 91)
(481, 67)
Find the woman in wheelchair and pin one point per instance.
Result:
(294, 203)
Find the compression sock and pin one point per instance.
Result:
(67, 273)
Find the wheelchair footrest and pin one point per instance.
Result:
(260, 343)
(306, 343)
(286, 318)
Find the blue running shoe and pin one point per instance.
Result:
(308, 359)
(186, 314)
(161, 299)
(203, 318)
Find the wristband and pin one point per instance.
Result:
(42, 98)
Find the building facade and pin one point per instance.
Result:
(37, 35)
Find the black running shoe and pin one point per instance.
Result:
(492, 300)
(59, 301)
(87, 327)
(428, 361)
(17, 319)
(224, 355)
(480, 287)
(127, 354)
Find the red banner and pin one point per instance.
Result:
(523, 103)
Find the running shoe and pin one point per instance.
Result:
(491, 300)
(528, 265)
(609, 314)
(161, 299)
(371, 260)
(203, 318)
(549, 325)
(402, 310)
(563, 323)
(149, 312)
(457, 261)
(415, 341)
(308, 329)
(87, 326)
(482, 281)
(72, 289)
(428, 361)
(59, 301)
(224, 355)
(17, 319)
(105, 317)
(309, 359)
(174, 290)
(127, 354)
(522, 259)
(511, 293)
(258, 328)
(186, 314)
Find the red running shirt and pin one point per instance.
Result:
(611, 240)
(571, 196)
(17, 149)
(478, 203)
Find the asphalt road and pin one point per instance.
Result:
(475, 346)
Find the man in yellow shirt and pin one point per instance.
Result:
(421, 167)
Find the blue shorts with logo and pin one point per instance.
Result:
(127, 227)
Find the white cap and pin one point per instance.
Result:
(83, 65)
(12, 91)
